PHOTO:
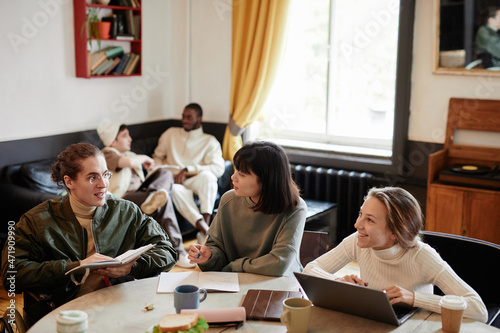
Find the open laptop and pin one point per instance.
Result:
(353, 299)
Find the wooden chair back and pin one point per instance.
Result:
(314, 244)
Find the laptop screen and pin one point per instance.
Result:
(352, 299)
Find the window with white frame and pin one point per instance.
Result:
(336, 86)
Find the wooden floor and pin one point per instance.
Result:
(5, 301)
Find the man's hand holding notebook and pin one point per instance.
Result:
(122, 259)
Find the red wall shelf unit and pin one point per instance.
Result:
(82, 51)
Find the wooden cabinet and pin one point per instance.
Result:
(82, 51)
(464, 211)
(444, 209)
(460, 207)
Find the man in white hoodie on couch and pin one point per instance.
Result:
(198, 157)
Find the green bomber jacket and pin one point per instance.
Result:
(48, 241)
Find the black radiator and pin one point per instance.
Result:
(346, 188)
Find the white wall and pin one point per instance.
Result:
(211, 57)
(40, 95)
(187, 43)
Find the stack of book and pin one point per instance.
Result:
(113, 61)
(124, 25)
(128, 64)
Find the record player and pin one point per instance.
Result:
(467, 164)
(463, 183)
(470, 174)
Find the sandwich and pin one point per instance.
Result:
(181, 323)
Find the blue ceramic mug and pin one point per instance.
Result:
(188, 297)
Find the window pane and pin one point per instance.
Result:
(298, 100)
(363, 69)
(336, 84)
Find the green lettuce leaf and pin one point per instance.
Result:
(200, 327)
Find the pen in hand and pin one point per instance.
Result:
(202, 245)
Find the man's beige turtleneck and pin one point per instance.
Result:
(84, 215)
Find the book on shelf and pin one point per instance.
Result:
(135, 64)
(89, 62)
(211, 281)
(115, 63)
(127, 65)
(107, 49)
(130, 22)
(114, 51)
(105, 65)
(122, 64)
(125, 37)
(96, 59)
(99, 58)
(120, 59)
(137, 24)
(125, 19)
(122, 259)
(132, 64)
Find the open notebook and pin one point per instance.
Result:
(211, 281)
(122, 259)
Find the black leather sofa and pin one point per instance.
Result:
(25, 166)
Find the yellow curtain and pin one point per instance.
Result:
(259, 30)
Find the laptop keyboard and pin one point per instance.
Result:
(402, 311)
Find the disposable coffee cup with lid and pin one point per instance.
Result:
(452, 309)
(72, 321)
(453, 302)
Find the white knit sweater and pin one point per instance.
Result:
(417, 269)
(193, 150)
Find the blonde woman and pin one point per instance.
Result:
(392, 257)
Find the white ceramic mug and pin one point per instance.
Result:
(296, 314)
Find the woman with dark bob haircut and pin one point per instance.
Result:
(259, 224)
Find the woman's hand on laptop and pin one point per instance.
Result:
(353, 279)
(396, 294)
